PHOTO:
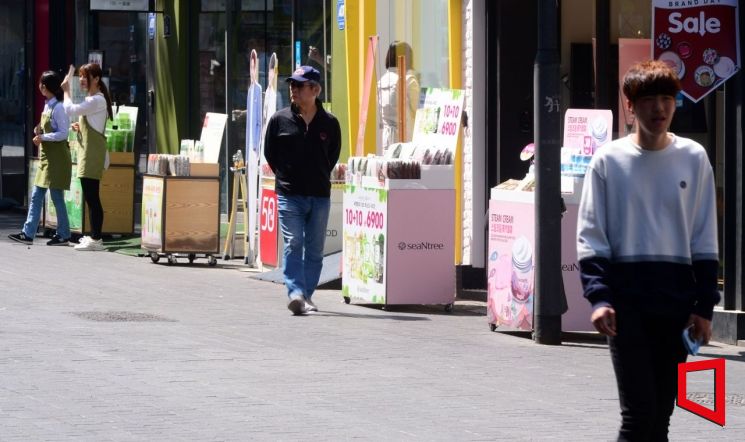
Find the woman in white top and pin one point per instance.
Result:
(388, 95)
(93, 112)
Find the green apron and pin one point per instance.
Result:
(92, 152)
(54, 165)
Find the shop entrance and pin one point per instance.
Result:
(299, 32)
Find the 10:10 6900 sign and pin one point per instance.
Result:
(372, 220)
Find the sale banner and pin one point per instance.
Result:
(699, 39)
(268, 228)
(364, 244)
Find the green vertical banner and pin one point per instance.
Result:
(74, 201)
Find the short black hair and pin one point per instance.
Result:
(52, 81)
(652, 77)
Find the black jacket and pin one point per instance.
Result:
(301, 156)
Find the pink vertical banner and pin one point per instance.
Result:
(630, 51)
(510, 280)
(369, 65)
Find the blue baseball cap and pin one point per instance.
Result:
(305, 73)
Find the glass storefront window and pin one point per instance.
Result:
(12, 73)
(412, 31)
(420, 24)
(121, 37)
(211, 59)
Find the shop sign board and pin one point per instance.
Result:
(120, 5)
(340, 14)
(152, 212)
(364, 241)
(510, 277)
(587, 129)
(268, 228)
(151, 26)
(211, 137)
(699, 39)
(438, 121)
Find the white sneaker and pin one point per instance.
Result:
(310, 306)
(82, 240)
(93, 245)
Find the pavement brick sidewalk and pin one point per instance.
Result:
(102, 346)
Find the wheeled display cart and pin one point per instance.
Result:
(399, 240)
(181, 215)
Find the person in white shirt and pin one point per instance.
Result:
(93, 112)
(388, 96)
(648, 250)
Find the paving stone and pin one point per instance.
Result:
(230, 363)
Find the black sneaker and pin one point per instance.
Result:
(21, 238)
(57, 241)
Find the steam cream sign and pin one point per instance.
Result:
(699, 40)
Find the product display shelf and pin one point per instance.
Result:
(181, 215)
(117, 198)
(398, 240)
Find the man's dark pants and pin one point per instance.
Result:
(646, 352)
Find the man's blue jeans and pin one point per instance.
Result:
(34, 212)
(303, 221)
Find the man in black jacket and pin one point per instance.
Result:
(302, 145)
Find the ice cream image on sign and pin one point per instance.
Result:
(522, 269)
(599, 130)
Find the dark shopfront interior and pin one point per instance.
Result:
(716, 121)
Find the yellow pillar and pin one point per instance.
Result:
(455, 74)
(360, 24)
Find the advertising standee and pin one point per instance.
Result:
(364, 242)
(699, 40)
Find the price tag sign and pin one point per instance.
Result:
(364, 243)
(268, 227)
(438, 122)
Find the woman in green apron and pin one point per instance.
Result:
(54, 164)
(92, 114)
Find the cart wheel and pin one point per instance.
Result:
(493, 327)
(154, 257)
(192, 257)
(346, 300)
(226, 257)
(171, 259)
(211, 260)
(449, 308)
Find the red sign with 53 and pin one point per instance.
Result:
(699, 39)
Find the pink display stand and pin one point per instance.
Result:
(511, 269)
(398, 244)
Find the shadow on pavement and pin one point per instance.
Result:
(364, 316)
(739, 357)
